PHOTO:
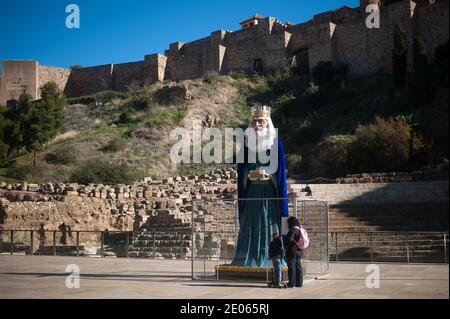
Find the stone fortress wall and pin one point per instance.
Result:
(339, 36)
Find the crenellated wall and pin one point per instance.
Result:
(340, 36)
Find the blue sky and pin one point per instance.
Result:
(116, 31)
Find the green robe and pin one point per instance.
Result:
(261, 218)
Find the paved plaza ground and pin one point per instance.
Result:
(45, 277)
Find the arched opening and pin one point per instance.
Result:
(258, 65)
(302, 62)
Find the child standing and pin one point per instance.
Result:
(276, 252)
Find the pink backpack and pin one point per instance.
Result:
(303, 242)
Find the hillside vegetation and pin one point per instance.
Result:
(331, 126)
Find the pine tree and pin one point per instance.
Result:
(51, 109)
(30, 126)
(421, 71)
(441, 58)
(399, 56)
(4, 147)
(20, 115)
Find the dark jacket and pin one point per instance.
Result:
(292, 251)
(276, 249)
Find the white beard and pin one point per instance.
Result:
(264, 141)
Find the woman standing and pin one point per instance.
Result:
(294, 254)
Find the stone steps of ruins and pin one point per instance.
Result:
(167, 233)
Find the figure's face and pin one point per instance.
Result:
(259, 123)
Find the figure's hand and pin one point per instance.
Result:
(258, 174)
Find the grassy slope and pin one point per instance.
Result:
(144, 138)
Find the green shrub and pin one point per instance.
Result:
(62, 156)
(326, 74)
(138, 103)
(97, 99)
(103, 171)
(330, 157)
(178, 114)
(211, 77)
(280, 80)
(125, 117)
(238, 75)
(3, 152)
(312, 129)
(108, 96)
(171, 95)
(311, 90)
(285, 107)
(323, 72)
(382, 146)
(86, 100)
(115, 145)
(166, 116)
(293, 163)
(25, 173)
(161, 118)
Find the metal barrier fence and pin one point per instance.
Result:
(215, 232)
(370, 246)
(59, 243)
(214, 243)
(390, 246)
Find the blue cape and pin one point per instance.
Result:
(281, 181)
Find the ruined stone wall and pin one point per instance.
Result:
(299, 38)
(432, 25)
(243, 46)
(89, 80)
(155, 67)
(375, 193)
(267, 41)
(339, 36)
(27, 210)
(18, 77)
(50, 73)
(126, 74)
(128, 207)
(368, 51)
(191, 60)
(170, 207)
(322, 43)
(115, 207)
(346, 51)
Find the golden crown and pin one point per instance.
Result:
(258, 111)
